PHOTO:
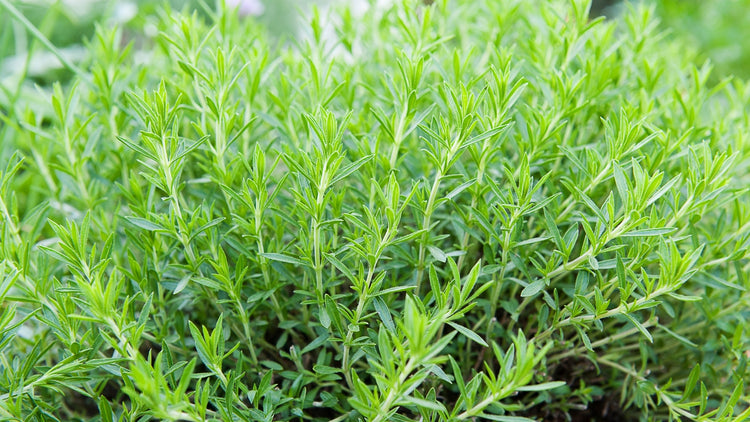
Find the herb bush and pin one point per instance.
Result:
(472, 210)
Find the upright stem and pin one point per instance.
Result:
(395, 391)
(398, 136)
(317, 237)
(363, 299)
(317, 261)
(264, 261)
(429, 209)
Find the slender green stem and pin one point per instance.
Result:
(345, 363)
(263, 261)
(637, 376)
(426, 221)
(398, 136)
(599, 343)
(490, 399)
(395, 391)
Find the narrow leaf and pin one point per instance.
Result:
(284, 258)
(469, 334)
(640, 327)
(649, 232)
(384, 313)
(146, 224)
(533, 288)
(542, 387)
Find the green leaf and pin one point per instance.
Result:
(505, 418)
(325, 319)
(728, 407)
(436, 253)
(621, 183)
(532, 241)
(692, 381)
(385, 315)
(684, 340)
(105, 410)
(533, 288)
(396, 289)
(285, 258)
(274, 366)
(333, 312)
(205, 351)
(591, 205)
(485, 135)
(452, 194)
(438, 372)
(664, 189)
(639, 326)
(542, 387)
(322, 339)
(351, 168)
(427, 404)
(469, 334)
(649, 232)
(326, 370)
(146, 224)
(341, 267)
(552, 229)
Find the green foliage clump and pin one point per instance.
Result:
(468, 210)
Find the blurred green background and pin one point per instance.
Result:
(68, 23)
(716, 30)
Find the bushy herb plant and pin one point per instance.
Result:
(467, 210)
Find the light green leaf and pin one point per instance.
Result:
(640, 327)
(469, 334)
(284, 258)
(385, 315)
(436, 253)
(146, 224)
(542, 387)
(427, 404)
(649, 232)
(533, 288)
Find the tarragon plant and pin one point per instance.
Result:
(461, 210)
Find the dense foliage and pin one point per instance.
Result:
(468, 210)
